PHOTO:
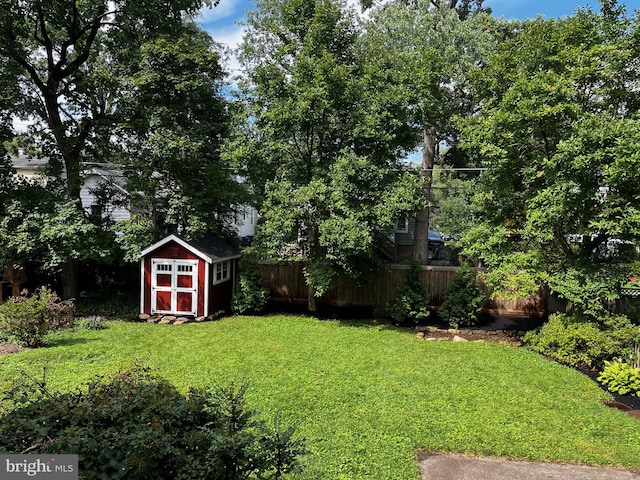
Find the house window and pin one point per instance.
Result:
(96, 213)
(402, 226)
(222, 272)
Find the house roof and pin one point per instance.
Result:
(114, 177)
(210, 247)
(27, 162)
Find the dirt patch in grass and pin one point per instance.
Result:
(6, 348)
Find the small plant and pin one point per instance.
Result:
(620, 377)
(250, 295)
(93, 322)
(411, 303)
(27, 320)
(463, 301)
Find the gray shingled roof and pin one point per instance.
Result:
(25, 161)
(213, 246)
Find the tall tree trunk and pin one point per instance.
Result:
(70, 278)
(420, 252)
(315, 252)
(312, 300)
(70, 148)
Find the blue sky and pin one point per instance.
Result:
(222, 21)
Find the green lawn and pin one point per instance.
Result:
(365, 397)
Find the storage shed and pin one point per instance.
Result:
(187, 278)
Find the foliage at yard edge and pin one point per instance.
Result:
(136, 425)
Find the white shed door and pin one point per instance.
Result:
(174, 286)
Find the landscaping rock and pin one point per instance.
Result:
(166, 320)
(144, 316)
(458, 338)
(420, 334)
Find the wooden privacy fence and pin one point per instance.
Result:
(285, 281)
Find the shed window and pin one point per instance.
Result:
(222, 272)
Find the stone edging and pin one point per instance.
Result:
(507, 337)
(175, 320)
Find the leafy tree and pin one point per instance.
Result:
(559, 129)
(452, 212)
(71, 61)
(430, 46)
(327, 148)
(174, 120)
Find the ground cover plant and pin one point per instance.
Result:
(364, 396)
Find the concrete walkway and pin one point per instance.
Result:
(460, 467)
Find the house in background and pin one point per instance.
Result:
(193, 278)
(398, 245)
(244, 223)
(28, 167)
(102, 193)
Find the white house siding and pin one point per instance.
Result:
(245, 221)
(91, 182)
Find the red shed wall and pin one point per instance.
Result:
(221, 293)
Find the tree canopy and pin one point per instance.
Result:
(100, 81)
(325, 139)
(430, 47)
(558, 129)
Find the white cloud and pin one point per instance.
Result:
(225, 9)
(230, 37)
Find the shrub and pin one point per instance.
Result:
(411, 302)
(464, 299)
(93, 322)
(620, 377)
(578, 342)
(250, 296)
(27, 320)
(138, 426)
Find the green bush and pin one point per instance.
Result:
(578, 342)
(464, 299)
(250, 295)
(138, 426)
(93, 322)
(620, 377)
(27, 320)
(411, 302)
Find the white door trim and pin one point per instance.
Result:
(174, 268)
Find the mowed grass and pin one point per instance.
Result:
(365, 397)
